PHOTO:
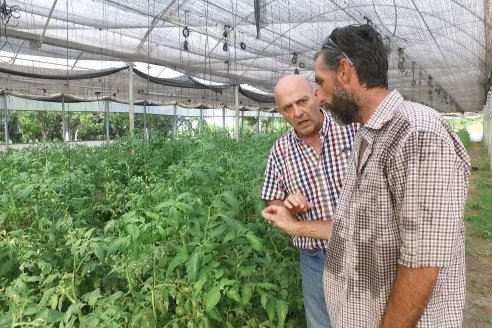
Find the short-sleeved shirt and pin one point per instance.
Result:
(295, 166)
(401, 205)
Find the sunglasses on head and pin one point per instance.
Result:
(329, 44)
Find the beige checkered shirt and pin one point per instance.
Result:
(403, 206)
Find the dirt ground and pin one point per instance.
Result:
(478, 308)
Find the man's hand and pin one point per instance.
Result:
(297, 203)
(279, 216)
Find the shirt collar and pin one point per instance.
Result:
(384, 112)
(326, 122)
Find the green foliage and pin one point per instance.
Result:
(30, 127)
(472, 125)
(479, 203)
(155, 234)
(465, 138)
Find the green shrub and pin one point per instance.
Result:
(162, 233)
(465, 138)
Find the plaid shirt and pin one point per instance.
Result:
(293, 165)
(404, 205)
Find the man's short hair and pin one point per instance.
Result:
(363, 47)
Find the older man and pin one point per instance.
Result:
(304, 177)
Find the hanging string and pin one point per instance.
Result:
(206, 54)
(9, 16)
(146, 128)
(146, 153)
(64, 122)
(288, 10)
(413, 82)
(235, 45)
(180, 92)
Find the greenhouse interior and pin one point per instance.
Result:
(178, 97)
(215, 61)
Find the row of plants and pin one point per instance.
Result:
(44, 126)
(162, 233)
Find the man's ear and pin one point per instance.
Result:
(347, 72)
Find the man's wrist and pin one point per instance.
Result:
(294, 228)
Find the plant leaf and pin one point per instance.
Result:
(212, 298)
(193, 266)
(254, 241)
(246, 293)
(230, 236)
(178, 260)
(282, 309)
(231, 201)
(50, 316)
(233, 294)
(270, 308)
(6, 320)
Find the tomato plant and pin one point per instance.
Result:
(162, 233)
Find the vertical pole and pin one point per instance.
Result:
(131, 106)
(5, 119)
(486, 123)
(258, 121)
(236, 118)
(242, 122)
(223, 117)
(201, 123)
(488, 136)
(146, 132)
(106, 106)
(273, 121)
(175, 121)
(486, 129)
(65, 131)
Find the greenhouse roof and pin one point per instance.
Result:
(440, 50)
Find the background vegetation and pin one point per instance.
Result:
(33, 127)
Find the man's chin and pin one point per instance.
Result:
(342, 120)
(304, 131)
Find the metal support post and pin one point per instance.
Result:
(5, 120)
(106, 107)
(175, 121)
(131, 106)
(236, 117)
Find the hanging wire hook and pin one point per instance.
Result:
(186, 32)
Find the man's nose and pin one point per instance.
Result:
(298, 110)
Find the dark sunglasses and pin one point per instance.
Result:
(329, 44)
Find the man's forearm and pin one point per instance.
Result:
(316, 229)
(411, 292)
(312, 229)
(274, 202)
